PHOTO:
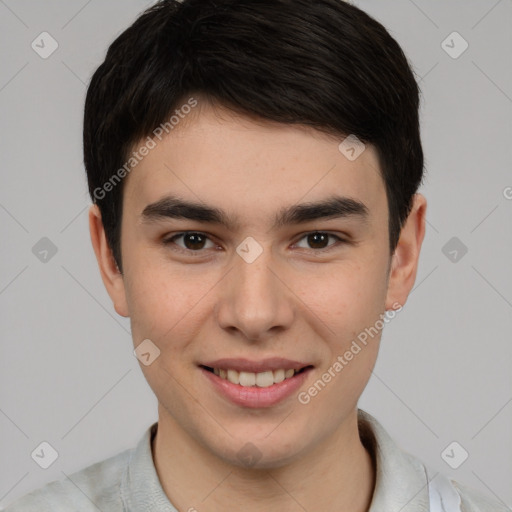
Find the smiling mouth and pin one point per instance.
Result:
(250, 379)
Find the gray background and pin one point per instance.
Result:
(68, 375)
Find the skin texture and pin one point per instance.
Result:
(296, 300)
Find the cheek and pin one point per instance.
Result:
(167, 306)
(350, 303)
(348, 299)
(153, 301)
(351, 306)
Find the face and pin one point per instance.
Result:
(260, 286)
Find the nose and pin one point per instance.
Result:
(256, 300)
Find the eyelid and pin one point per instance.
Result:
(339, 239)
(170, 240)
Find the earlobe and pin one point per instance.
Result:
(405, 259)
(110, 274)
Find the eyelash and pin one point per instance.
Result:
(170, 241)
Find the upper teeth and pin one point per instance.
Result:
(248, 379)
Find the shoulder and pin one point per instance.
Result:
(400, 475)
(92, 488)
(474, 501)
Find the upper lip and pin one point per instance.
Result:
(245, 365)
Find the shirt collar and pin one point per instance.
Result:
(140, 486)
(401, 483)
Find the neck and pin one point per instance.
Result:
(337, 474)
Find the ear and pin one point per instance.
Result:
(110, 274)
(404, 264)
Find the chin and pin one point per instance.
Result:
(253, 453)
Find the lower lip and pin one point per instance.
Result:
(255, 397)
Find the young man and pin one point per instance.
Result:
(254, 167)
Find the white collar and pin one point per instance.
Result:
(402, 481)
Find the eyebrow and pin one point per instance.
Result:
(329, 208)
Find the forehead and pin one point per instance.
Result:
(252, 167)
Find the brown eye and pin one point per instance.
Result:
(192, 241)
(319, 240)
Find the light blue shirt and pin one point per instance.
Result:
(128, 482)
